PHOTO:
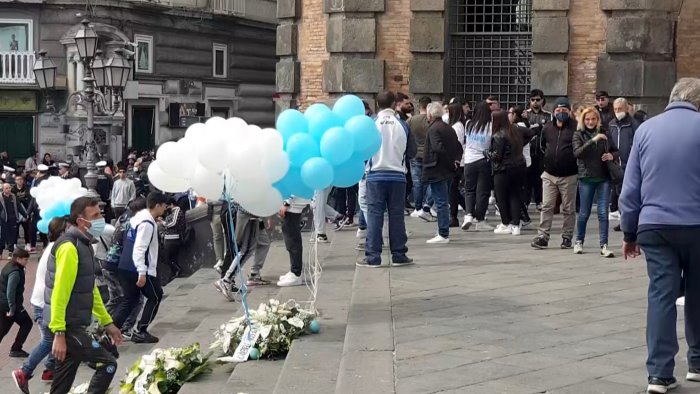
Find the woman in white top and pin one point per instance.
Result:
(456, 120)
(57, 227)
(478, 179)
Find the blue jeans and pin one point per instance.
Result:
(440, 190)
(381, 197)
(587, 191)
(670, 251)
(42, 349)
(421, 194)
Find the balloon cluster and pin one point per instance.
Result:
(326, 147)
(54, 197)
(224, 152)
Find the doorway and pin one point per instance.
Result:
(16, 136)
(143, 134)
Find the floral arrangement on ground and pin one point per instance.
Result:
(165, 371)
(279, 324)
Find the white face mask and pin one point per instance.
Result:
(446, 118)
(620, 115)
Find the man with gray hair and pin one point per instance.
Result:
(621, 132)
(441, 157)
(661, 215)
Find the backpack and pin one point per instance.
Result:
(115, 248)
(125, 260)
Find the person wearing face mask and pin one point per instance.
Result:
(592, 149)
(560, 175)
(72, 299)
(622, 130)
(138, 268)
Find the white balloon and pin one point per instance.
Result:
(207, 184)
(75, 184)
(170, 158)
(212, 154)
(164, 181)
(187, 149)
(243, 158)
(248, 189)
(34, 192)
(195, 130)
(215, 122)
(275, 165)
(235, 124)
(271, 140)
(268, 204)
(254, 130)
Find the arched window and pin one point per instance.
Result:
(490, 49)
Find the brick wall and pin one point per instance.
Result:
(588, 26)
(393, 31)
(312, 52)
(688, 40)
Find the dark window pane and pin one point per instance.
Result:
(219, 62)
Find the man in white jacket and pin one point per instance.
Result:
(138, 267)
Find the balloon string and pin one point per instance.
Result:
(243, 289)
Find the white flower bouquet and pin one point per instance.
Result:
(279, 324)
(165, 371)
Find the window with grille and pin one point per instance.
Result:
(490, 49)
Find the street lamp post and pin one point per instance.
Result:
(110, 75)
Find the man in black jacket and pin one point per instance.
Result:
(441, 155)
(604, 108)
(560, 175)
(537, 117)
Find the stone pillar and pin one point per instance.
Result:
(638, 62)
(353, 66)
(550, 46)
(427, 35)
(288, 67)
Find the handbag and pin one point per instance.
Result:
(615, 169)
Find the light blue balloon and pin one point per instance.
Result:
(296, 185)
(317, 173)
(300, 148)
(284, 187)
(291, 122)
(319, 123)
(337, 145)
(315, 327)
(365, 135)
(64, 208)
(349, 173)
(349, 106)
(316, 109)
(43, 226)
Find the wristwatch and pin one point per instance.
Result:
(60, 333)
(286, 203)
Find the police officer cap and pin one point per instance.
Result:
(42, 167)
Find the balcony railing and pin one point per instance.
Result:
(228, 7)
(16, 67)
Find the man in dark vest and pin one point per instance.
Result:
(72, 298)
(12, 300)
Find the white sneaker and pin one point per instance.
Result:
(492, 200)
(614, 215)
(438, 240)
(605, 252)
(483, 226)
(425, 216)
(416, 213)
(361, 233)
(680, 301)
(289, 279)
(218, 266)
(433, 212)
(578, 247)
(468, 221)
(503, 229)
(515, 230)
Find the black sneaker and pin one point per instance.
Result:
(18, 354)
(660, 385)
(566, 243)
(362, 262)
(540, 243)
(126, 334)
(693, 375)
(617, 228)
(257, 280)
(143, 337)
(401, 263)
(454, 222)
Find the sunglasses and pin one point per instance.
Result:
(536, 99)
(601, 98)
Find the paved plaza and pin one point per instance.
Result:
(484, 314)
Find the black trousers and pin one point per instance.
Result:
(534, 182)
(478, 183)
(615, 197)
(171, 249)
(26, 229)
(81, 349)
(8, 236)
(507, 185)
(23, 320)
(456, 198)
(118, 211)
(42, 236)
(153, 292)
(346, 200)
(291, 231)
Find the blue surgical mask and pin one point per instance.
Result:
(97, 227)
(562, 116)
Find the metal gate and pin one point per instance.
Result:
(490, 49)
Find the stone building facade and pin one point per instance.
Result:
(191, 59)
(631, 48)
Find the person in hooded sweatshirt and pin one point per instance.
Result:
(559, 179)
